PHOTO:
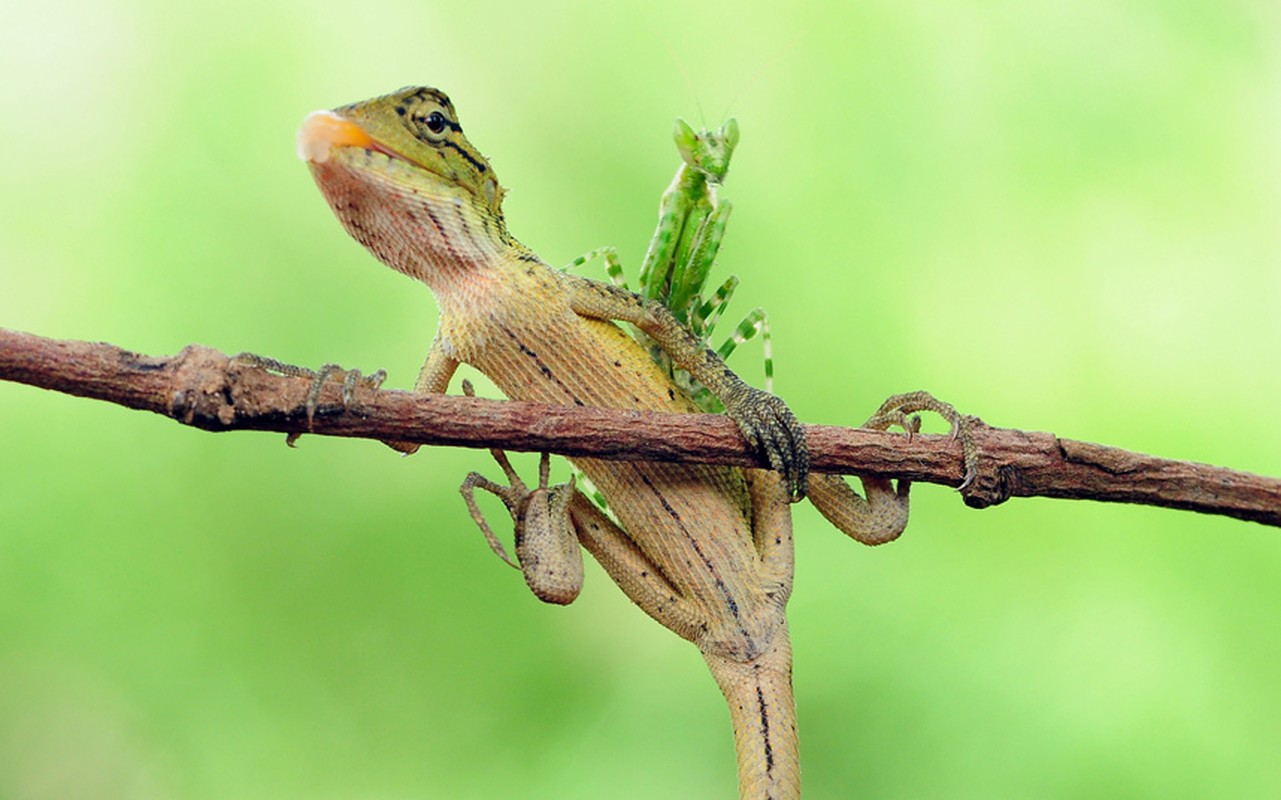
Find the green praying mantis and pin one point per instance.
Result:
(691, 225)
(675, 270)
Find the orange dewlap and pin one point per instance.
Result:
(322, 131)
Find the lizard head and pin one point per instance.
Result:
(404, 181)
(707, 151)
(416, 126)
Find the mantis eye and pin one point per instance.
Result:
(729, 132)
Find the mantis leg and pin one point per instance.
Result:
(656, 268)
(756, 322)
(700, 242)
(613, 265)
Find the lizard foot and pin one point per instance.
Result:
(328, 372)
(546, 545)
(772, 429)
(901, 410)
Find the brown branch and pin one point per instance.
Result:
(203, 387)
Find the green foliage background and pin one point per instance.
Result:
(1057, 216)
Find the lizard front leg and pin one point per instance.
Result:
(547, 553)
(350, 378)
(767, 423)
(433, 378)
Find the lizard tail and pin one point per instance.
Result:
(763, 711)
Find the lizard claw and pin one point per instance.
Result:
(896, 409)
(350, 380)
(772, 430)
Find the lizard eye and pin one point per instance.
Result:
(431, 126)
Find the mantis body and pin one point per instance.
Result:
(679, 259)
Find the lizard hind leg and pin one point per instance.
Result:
(547, 551)
(546, 546)
(900, 409)
(881, 514)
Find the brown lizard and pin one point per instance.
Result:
(704, 550)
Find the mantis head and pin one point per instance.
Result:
(707, 151)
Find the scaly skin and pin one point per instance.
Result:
(704, 550)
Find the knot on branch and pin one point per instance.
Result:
(202, 393)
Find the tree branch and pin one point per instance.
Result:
(203, 387)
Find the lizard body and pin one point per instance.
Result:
(704, 550)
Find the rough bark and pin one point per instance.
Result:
(205, 388)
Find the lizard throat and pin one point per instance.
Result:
(429, 231)
(410, 218)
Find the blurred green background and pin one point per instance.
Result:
(1057, 216)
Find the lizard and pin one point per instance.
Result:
(704, 550)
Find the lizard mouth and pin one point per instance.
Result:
(322, 132)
